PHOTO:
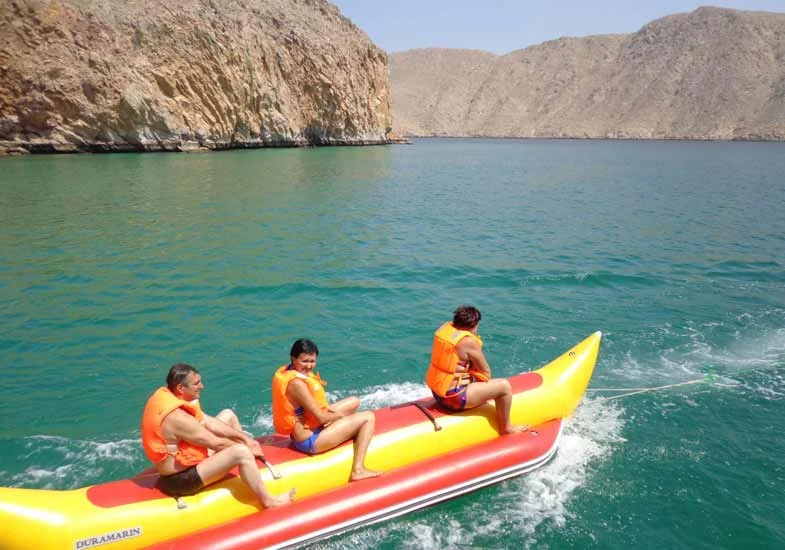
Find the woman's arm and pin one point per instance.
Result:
(298, 395)
(471, 350)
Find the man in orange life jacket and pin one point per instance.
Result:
(191, 449)
(301, 411)
(459, 375)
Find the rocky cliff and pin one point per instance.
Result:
(108, 75)
(710, 74)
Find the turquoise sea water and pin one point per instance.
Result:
(113, 267)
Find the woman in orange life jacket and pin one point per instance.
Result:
(301, 411)
(459, 375)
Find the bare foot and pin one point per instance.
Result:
(357, 475)
(275, 502)
(514, 430)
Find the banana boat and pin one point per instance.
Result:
(427, 456)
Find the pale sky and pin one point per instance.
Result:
(501, 26)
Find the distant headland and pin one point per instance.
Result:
(715, 74)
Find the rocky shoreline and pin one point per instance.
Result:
(10, 148)
(190, 75)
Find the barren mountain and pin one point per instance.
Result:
(96, 75)
(710, 74)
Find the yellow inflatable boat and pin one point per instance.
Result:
(427, 456)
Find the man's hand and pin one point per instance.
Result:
(255, 448)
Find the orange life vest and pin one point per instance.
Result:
(160, 404)
(284, 415)
(441, 375)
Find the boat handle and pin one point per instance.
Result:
(276, 474)
(422, 408)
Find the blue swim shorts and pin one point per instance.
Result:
(454, 401)
(306, 445)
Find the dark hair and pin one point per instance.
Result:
(177, 375)
(303, 345)
(466, 317)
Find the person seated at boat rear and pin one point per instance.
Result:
(459, 375)
(301, 411)
(191, 449)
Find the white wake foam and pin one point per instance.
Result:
(80, 462)
(525, 505)
(753, 361)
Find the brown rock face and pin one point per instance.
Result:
(711, 74)
(108, 75)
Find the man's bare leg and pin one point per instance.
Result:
(228, 416)
(360, 427)
(214, 467)
(500, 390)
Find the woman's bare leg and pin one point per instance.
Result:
(347, 406)
(360, 427)
(500, 390)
